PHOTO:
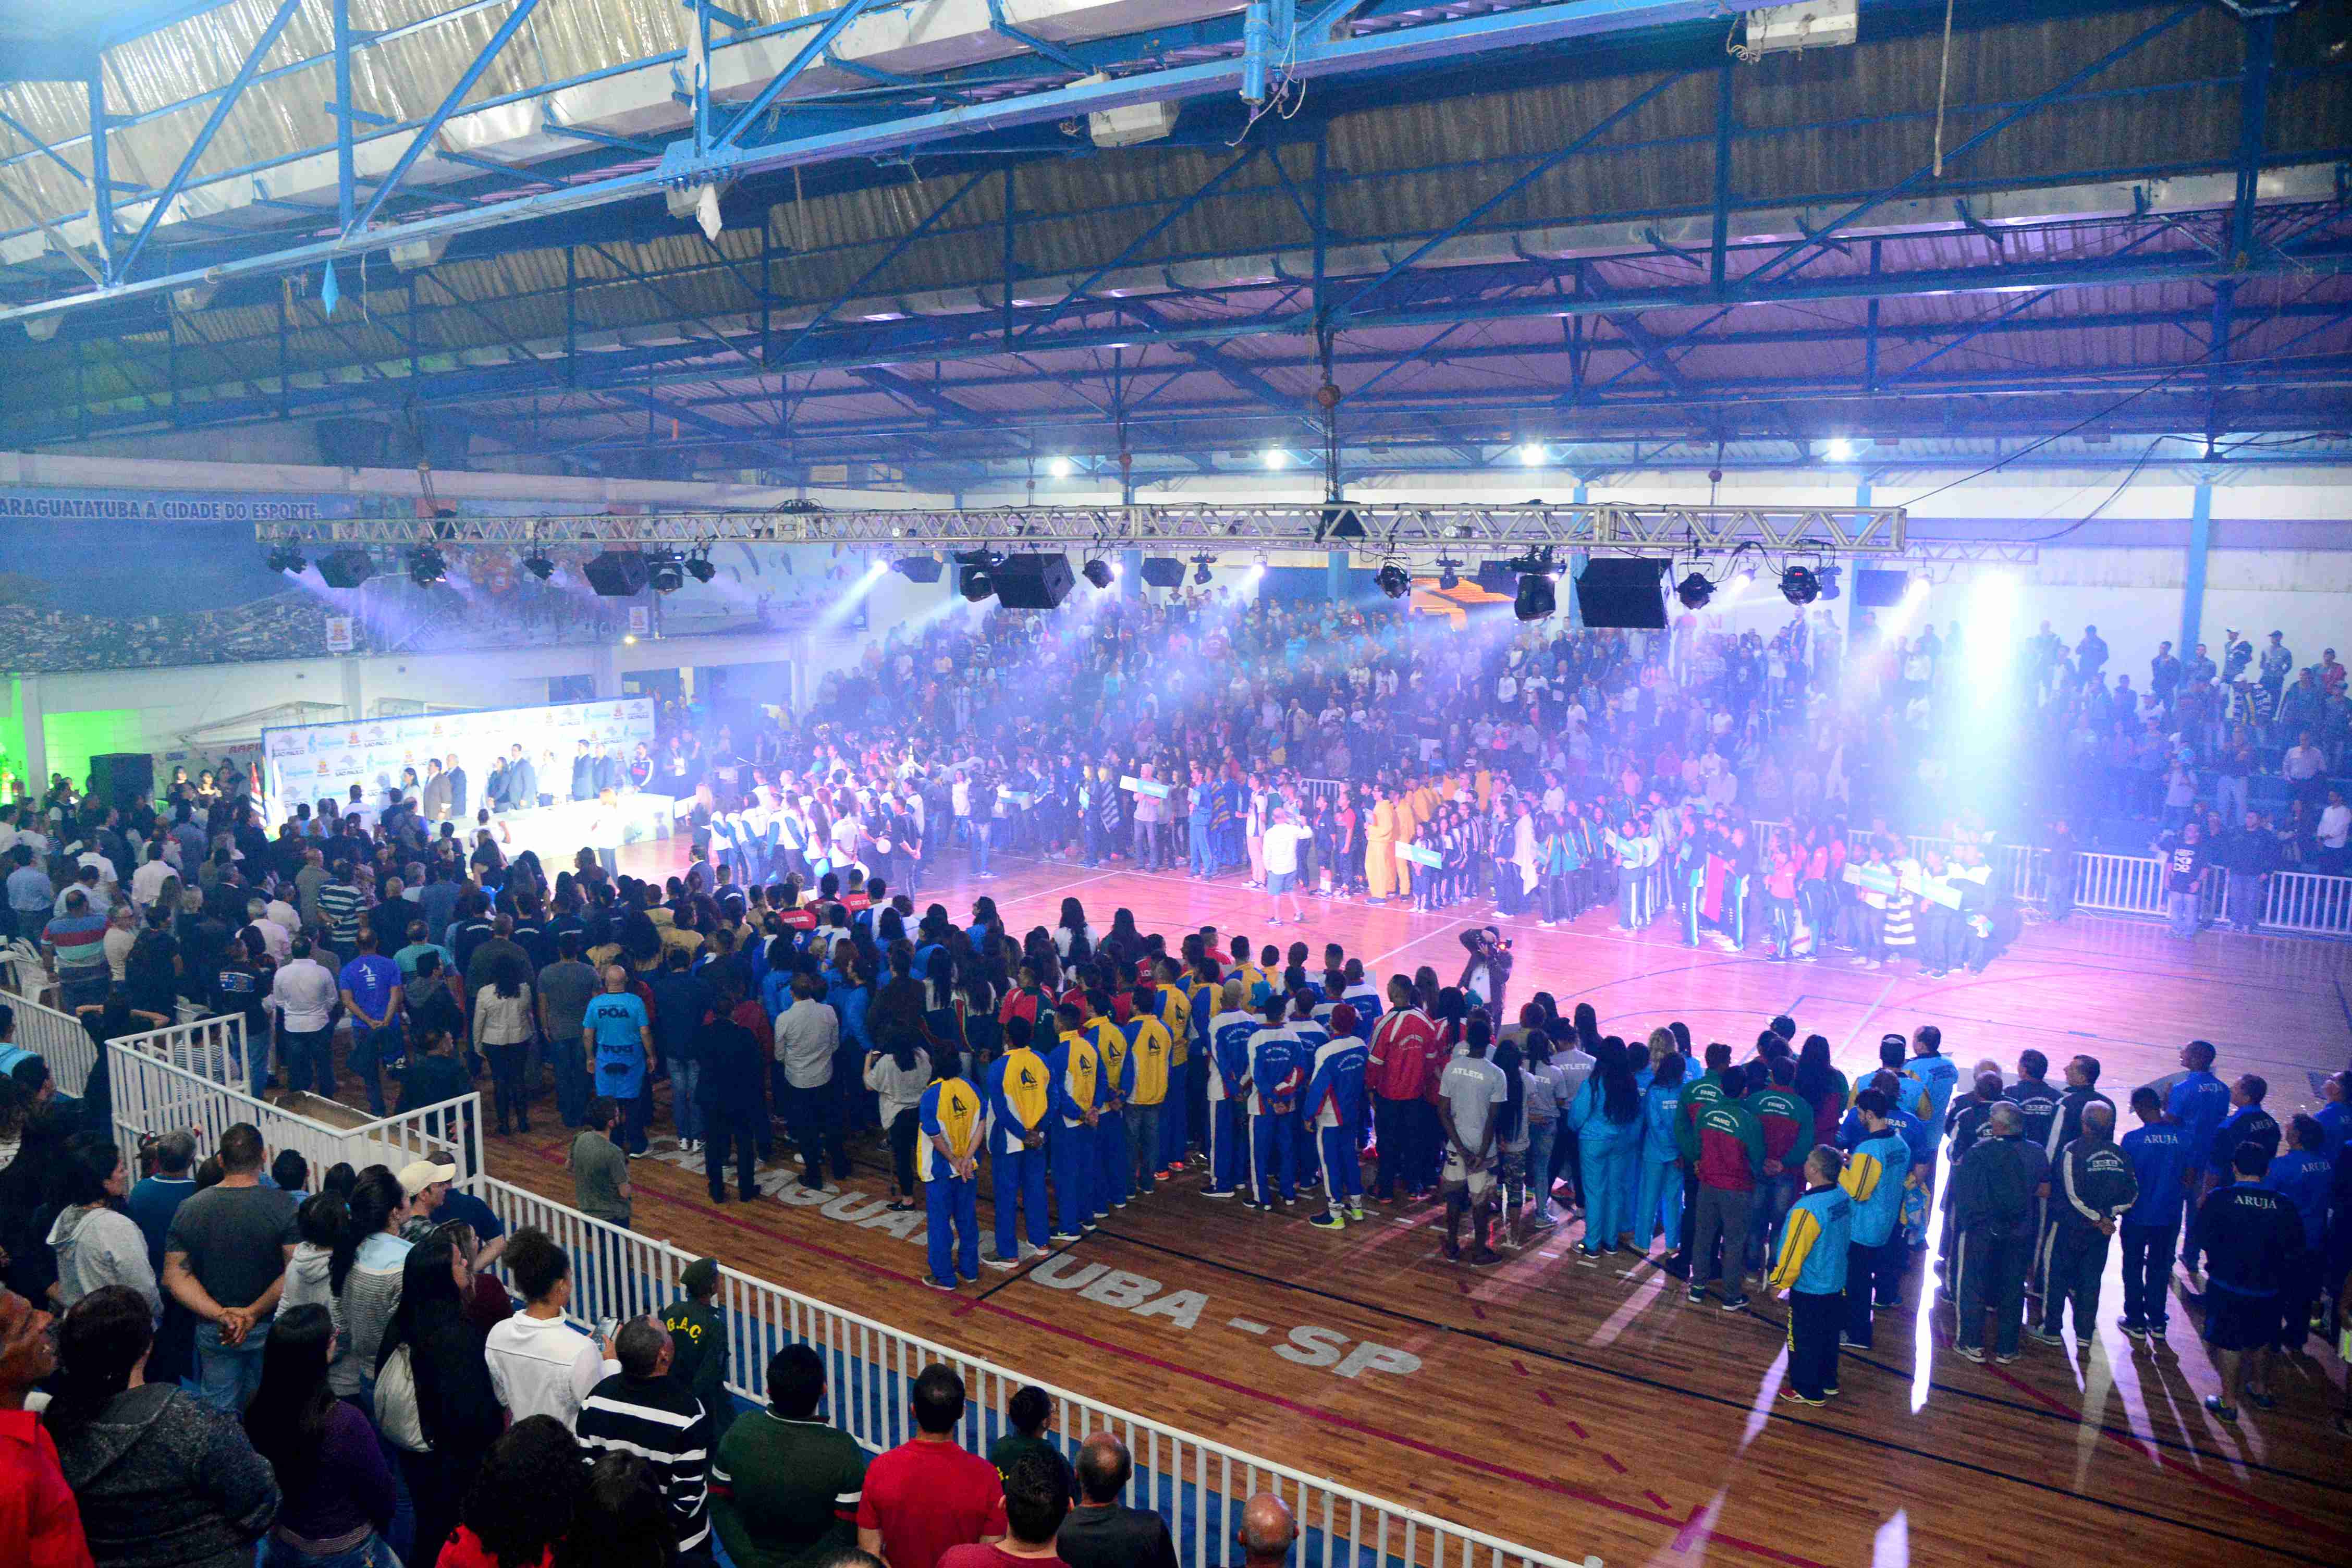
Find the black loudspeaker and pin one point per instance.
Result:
(1162, 572)
(617, 573)
(123, 779)
(346, 568)
(1033, 582)
(1496, 577)
(1623, 591)
(1876, 589)
(919, 568)
(353, 442)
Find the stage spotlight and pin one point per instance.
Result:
(1448, 579)
(1695, 591)
(1097, 572)
(1201, 564)
(975, 584)
(1535, 600)
(1827, 576)
(1276, 457)
(287, 559)
(539, 566)
(1532, 455)
(1800, 586)
(918, 568)
(664, 573)
(426, 566)
(1392, 580)
(1059, 468)
(700, 568)
(1839, 449)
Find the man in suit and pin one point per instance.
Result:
(456, 777)
(583, 774)
(608, 770)
(522, 781)
(434, 798)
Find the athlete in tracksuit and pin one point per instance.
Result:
(1874, 1180)
(1166, 998)
(1605, 1152)
(2197, 1102)
(1814, 1246)
(1334, 1106)
(2091, 1183)
(1658, 1202)
(1400, 1070)
(1020, 1093)
(1277, 1073)
(1313, 1032)
(2162, 1169)
(1229, 1070)
(1788, 1123)
(1114, 1159)
(1146, 1071)
(951, 1120)
(1076, 1070)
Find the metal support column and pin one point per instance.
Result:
(346, 180)
(2192, 580)
(101, 177)
(1576, 562)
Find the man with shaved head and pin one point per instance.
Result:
(1994, 1193)
(1267, 1531)
(1103, 1532)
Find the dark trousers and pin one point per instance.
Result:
(903, 1128)
(1392, 1128)
(1873, 1274)
(1429, 1139)
(1814, 1319)
(310, 1061)
(1720, 1218)
(723, 1126)
(510, 1084)
(812, 1116)
(1993, 1277)
(2147, 1271)
(2074, 1257)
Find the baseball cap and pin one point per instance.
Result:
(699, 1276)
(419, 1175)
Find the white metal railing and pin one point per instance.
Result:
(210, 1048)
(58, 1039)
(151, 1095)
(1198, 1485)
(2303, 901)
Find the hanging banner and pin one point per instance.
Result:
(168, 506)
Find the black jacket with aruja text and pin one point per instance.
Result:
(2091, 1182)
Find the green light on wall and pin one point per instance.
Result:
(74, 738)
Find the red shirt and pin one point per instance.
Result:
(1401, 1051)
(37, 1509)
(926, 1497)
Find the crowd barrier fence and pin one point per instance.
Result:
(58, 1039)
(1196, 1484)
(152, 1094)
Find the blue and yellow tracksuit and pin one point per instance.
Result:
(951, 1112)
(1175, 1009)
(1312, 1034)
(1813, 1270)
(1148, 1071)
(1658, 1202)
(1277, 1074)
(1076, 1070)
(1334, 1108)
(1019, 1095)
(1874, 1179)
(1229, 1069)
(1114, 1160)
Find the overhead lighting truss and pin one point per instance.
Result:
(1388, 529)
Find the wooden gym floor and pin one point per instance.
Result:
(1579, 1411)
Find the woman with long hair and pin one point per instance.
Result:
(524, 1501)
(457, 1407)
(1825, 1088)
(1658, 1202)
(898, 1070)
(339, 1492)
(1074, 938)
(96, 1243)
(503, 1029)
(1543, 1094)
(1606, 1114)
(987, 927)
(1511, 1144)
(364, 1273)
(162, 1481)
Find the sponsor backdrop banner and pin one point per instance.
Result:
(312, 762)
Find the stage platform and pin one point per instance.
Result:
(1582, 1411)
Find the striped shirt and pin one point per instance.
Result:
(661, 1422)
(339, 907)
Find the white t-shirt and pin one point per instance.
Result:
(1282, 842)
(544, 1366)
